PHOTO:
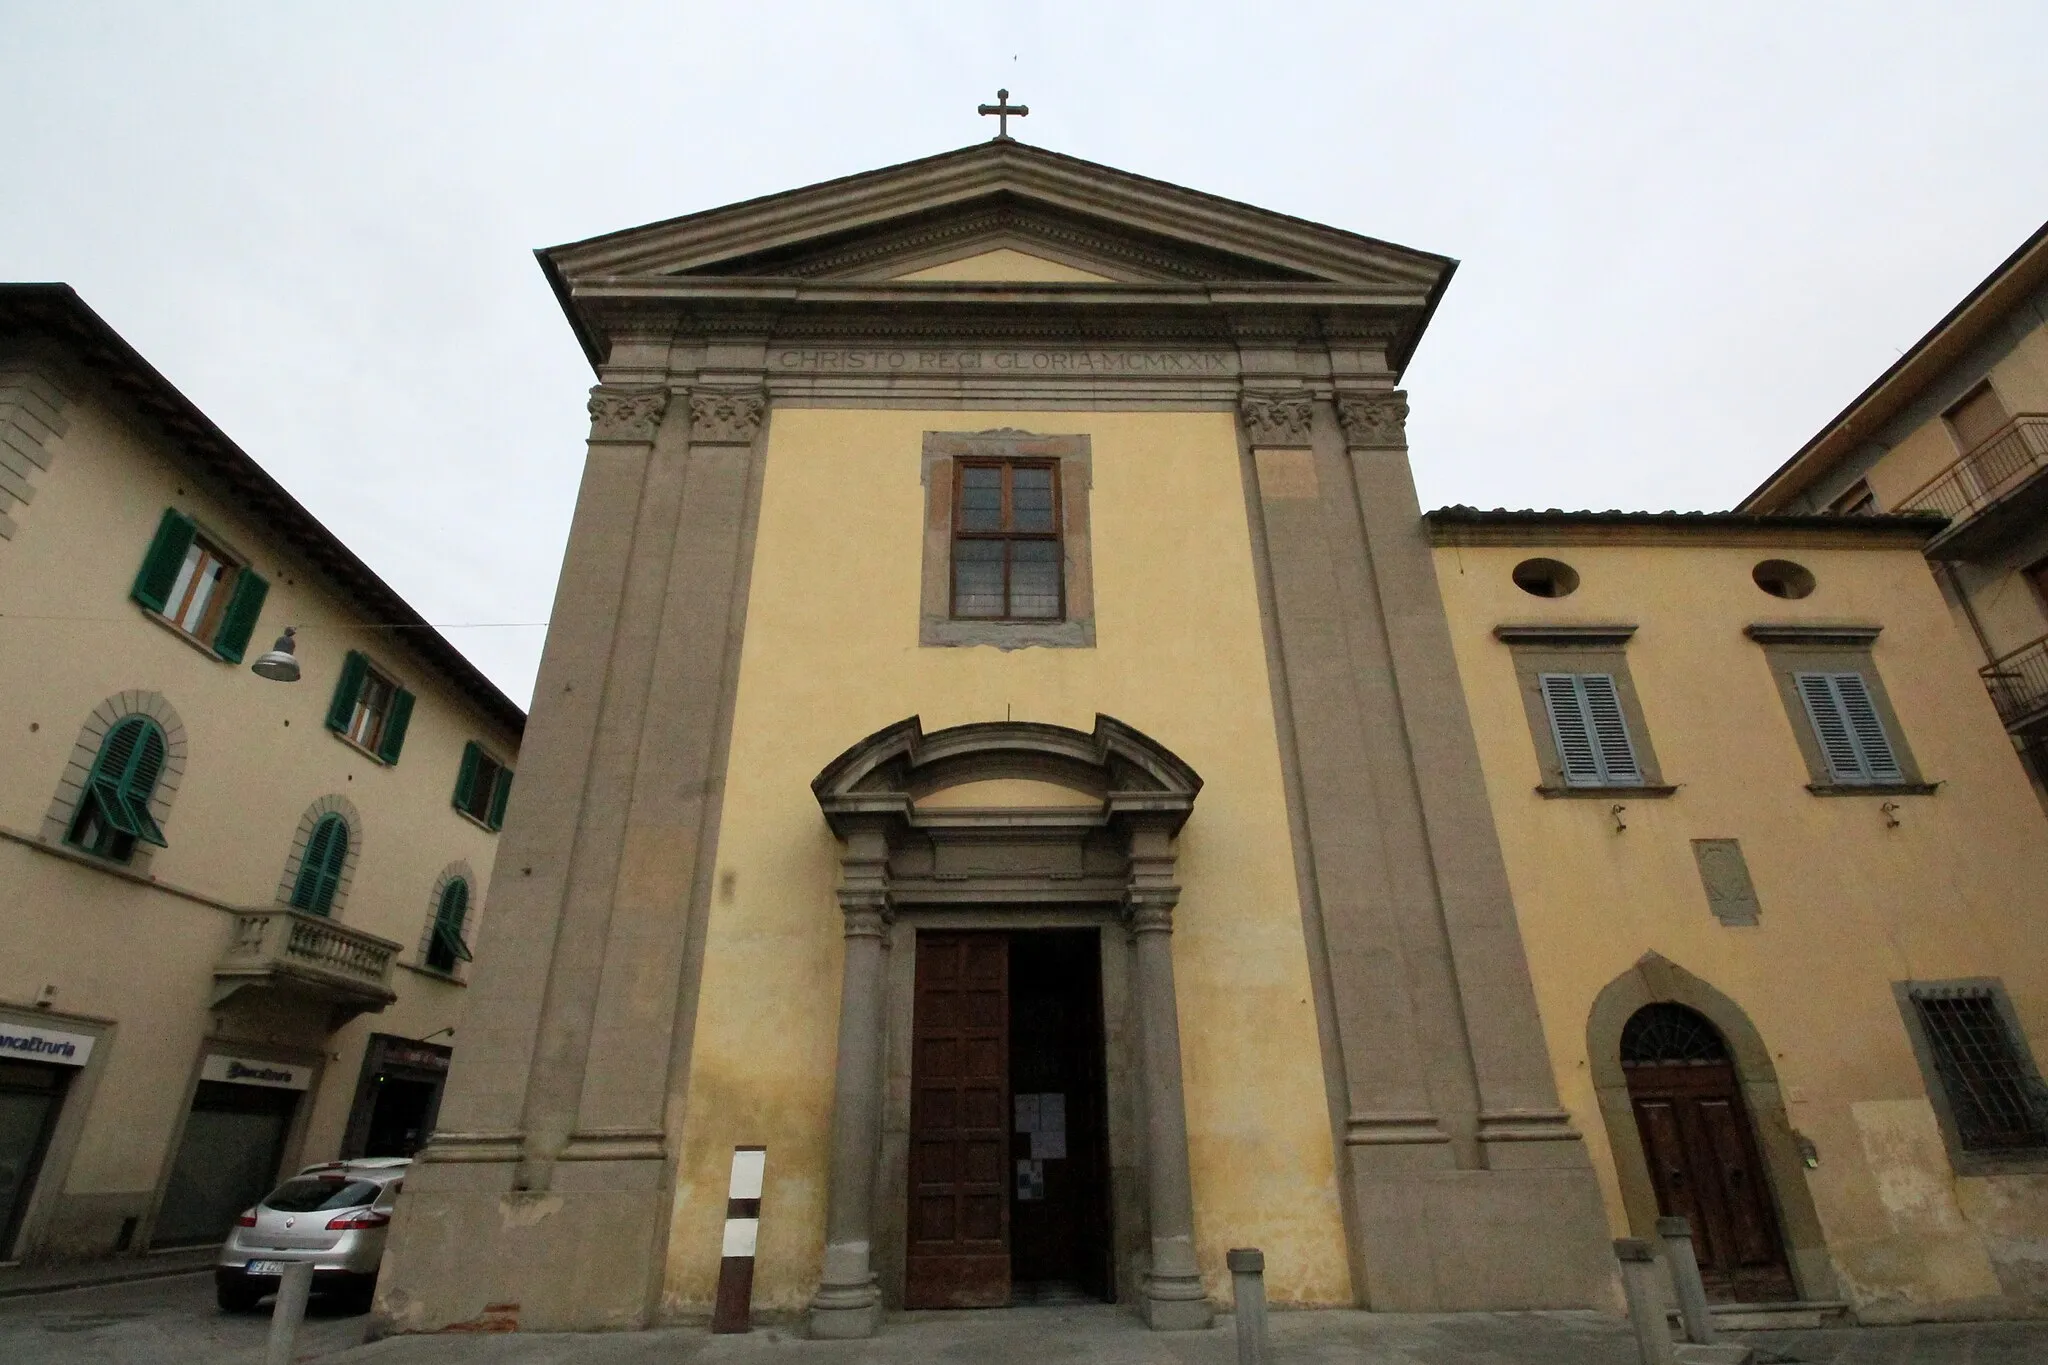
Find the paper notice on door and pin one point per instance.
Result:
(1030, 1180)
(1049, 1138)
(1027, 1113)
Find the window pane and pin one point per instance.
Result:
(1031, 499)
(1035, 578)
(483, 788)
(981, 498)
(373, 703)
(977, 578)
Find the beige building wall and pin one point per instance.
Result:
(1849, 902)
(133, 949)
(831, 655)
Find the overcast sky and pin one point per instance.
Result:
(1688, 234)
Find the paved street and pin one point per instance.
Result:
(162, 1322)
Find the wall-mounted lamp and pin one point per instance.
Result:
(1615, 810)
(280, 664)
(1890, 810)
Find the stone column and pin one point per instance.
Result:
(1172, 1298)
(847, 1303)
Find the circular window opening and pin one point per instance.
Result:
(1546, 577)
(1783, 578)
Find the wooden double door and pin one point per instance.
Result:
(1008, 1174)
(1703, 1162)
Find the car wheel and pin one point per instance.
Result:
(237, 1298)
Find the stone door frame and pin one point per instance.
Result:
(1107, 864)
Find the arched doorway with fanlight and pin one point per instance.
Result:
(1696, 1124)
(1702, 1152)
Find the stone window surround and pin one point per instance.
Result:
(936, 623)
(1655, 978)
(326, 805)
(1570, 648)
(1800, 647)
(1965, 1162)
(85, 751)
(1020, 868)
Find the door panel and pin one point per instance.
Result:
(959, 1246)
(1704, 1167)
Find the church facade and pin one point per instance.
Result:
(1005, 748)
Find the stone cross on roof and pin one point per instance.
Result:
(1002, 109)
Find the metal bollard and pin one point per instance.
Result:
(1248, 1287)
(292, 1290)
(1645, 1303)
(1676, 1234)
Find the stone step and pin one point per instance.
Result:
(1786, 1315)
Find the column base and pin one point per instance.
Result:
(1175, 1303)
(845, 1312)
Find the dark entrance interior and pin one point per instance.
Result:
(30, 1097)
(1702, 1151)
(397, 1098)
(1009, 1134)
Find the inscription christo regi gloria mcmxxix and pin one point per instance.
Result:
(1003, 109)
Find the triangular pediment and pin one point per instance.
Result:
(947, 217)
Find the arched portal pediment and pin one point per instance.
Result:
(1122, 771)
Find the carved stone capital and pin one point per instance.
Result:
(727, 416)
(1277, 419)
(626, 414)
(867, 913)
(1151, 912)
(1376, 421)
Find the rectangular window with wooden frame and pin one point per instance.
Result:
(482, 786)
(1841, 717)
(1977, 418)
(1007, 555)
(370, 710)
(1856, 501)
(1585, 719)
(204, 590)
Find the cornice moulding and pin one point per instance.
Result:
(1812, 633)
(1564, 633)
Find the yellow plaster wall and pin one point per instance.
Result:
(831, 655)
(259, 755)
(1003, 264)
(1848, 905)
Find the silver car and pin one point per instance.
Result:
(335, 1215)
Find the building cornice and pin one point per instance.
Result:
(1500, 526)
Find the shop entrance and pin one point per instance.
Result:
(1702, 1153)
(227, 1160)
(30, 1097)
(397, 1098)
(1009, 1188)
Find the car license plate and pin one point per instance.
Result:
(266, 1267)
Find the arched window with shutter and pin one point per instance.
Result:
(113, 811)
(320, 868)
(445, 947)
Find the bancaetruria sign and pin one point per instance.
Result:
(45, 1045)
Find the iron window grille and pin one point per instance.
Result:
(1997, 1101)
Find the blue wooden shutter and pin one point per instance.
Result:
(353, 670)
(1593, 746)
(238, 622)
(159, 572)
(395, 724)
(1845, 721)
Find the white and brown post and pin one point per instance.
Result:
(733, 1311)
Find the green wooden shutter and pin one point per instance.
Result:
(499, 798)
(394, 726)
(159, 572)
(238, 622)
(353, 670)
(138, 784)
(465, 777)
(320, 868)
(1845, 721)
(448, 947)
